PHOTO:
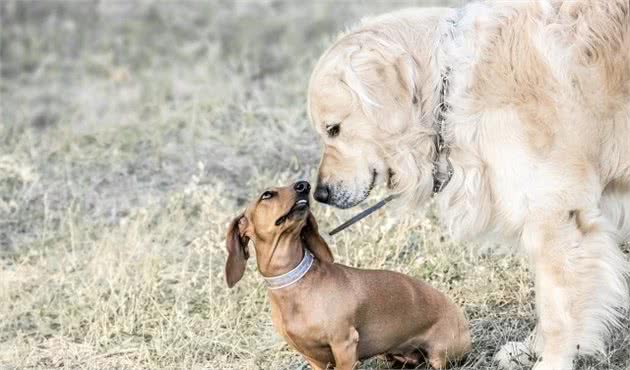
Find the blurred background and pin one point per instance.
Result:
(132, 131)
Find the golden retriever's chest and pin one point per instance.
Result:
(521, 128)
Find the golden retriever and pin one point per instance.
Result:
(516, 117)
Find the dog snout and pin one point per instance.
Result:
(302, 187)
(322, 193)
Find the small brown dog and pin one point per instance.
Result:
(334, 314)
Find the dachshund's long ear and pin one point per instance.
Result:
(314, 242)
(237, 251)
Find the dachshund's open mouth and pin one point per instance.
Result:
(300, 206)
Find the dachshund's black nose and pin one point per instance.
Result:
(302, 187)
(322, 193)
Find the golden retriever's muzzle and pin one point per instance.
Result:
(343, 195)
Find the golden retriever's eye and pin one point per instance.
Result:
(333, 129)
(266, 195)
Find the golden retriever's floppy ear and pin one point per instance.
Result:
(314, 242)
(237, 251)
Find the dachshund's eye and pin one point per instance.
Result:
(266, 195)
(333, 129)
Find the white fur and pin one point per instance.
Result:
(543, 161)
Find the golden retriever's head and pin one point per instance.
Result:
(366, 106)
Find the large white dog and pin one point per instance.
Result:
(517, 116)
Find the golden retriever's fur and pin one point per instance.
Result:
(538, 131)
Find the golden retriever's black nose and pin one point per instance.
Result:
(322, 194)
(302, 187)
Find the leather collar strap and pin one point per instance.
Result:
(293, 276)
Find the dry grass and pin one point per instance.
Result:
(131, 133)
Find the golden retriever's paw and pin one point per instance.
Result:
(557, 363)
(515, 355)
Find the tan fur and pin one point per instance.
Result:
(511, 73)
(337, 314)
(539, 137)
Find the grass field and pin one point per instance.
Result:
(132, 132)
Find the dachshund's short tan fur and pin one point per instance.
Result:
(337, 314)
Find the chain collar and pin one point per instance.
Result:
(442, 176)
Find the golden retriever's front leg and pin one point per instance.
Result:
(581, 284)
